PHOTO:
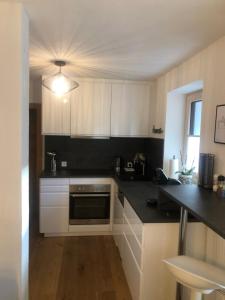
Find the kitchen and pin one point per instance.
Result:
(99, 147)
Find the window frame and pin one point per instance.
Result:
(190, 116)
(190, 98)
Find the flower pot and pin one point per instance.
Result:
(185, 179)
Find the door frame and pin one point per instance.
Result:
(39, 140)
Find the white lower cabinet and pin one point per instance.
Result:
(54, 206)
(142, 247)
(54, 219)
(133, 242)
(118, 222)
(132, 271)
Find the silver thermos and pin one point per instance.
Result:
(53, 161)
(206, 166)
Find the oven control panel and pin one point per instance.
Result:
(90, 188)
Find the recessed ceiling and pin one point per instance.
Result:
(124, 39)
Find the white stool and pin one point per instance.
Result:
(200, 277)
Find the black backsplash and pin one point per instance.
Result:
(99, 153)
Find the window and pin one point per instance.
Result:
(194, 113)
(195, 118)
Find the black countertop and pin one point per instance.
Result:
(77, 173)
(205, 205)
(136, 192)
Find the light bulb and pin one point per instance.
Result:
(60, 85)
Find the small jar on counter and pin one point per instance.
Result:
(215, 182)
(221, 186)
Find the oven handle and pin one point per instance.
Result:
(88, 195)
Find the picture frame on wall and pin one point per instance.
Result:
(219, 134)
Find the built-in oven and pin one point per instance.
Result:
(89, 204)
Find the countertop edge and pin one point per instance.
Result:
(211, 226)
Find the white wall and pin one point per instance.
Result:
(207, 67)
(14, 210)
(174, 128)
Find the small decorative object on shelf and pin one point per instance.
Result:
(157, 130)
(185, 174)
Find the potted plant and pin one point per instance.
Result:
(185, 174)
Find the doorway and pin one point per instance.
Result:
(35, 163)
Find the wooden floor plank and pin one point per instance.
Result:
(76, 268)
(45, 267)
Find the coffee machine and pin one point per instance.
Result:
(133, 169)
(140, 164)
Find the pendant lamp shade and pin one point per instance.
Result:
(59, 83)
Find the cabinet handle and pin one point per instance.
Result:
(89, 195)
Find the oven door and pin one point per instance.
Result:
(89, 208)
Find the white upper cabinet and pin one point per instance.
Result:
(130, 109)
(55, 113)
(90, 109)
(99, 108)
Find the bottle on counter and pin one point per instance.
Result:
(221, 186)
(215, 182)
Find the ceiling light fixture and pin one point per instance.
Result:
(59, 83)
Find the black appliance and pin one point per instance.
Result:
(161, 178)
(206, 166)
(132, 169)
(140, 164)
(163, 202)
(89, 204)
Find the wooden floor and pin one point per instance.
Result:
(76, 268)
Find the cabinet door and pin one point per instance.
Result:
(160, 107)
(55, 113)
(54, 219)
(132, 271)
(134, 221)
(118, 224)
(130, 110)
(90, 109)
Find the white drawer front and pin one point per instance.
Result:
(132, 271)
(133, 242)
(54, 188)
(118, 224)
(54, 181)
(54, 199)
(134, 221)
(54, 219)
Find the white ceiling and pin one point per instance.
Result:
(130, 39)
